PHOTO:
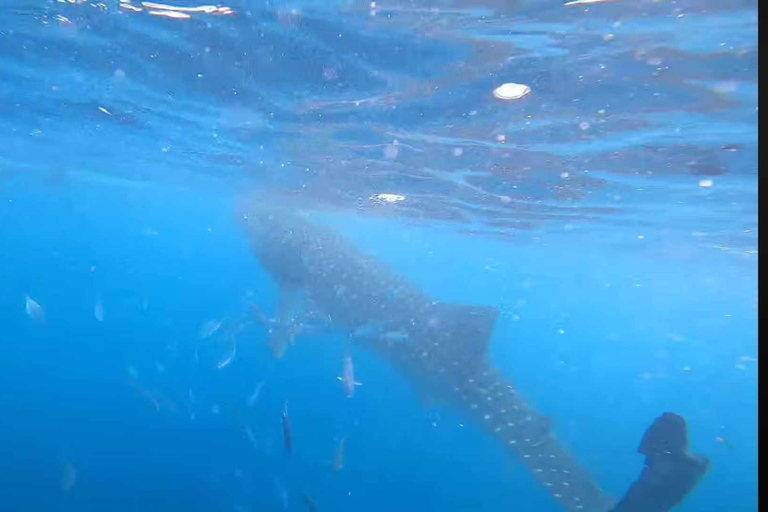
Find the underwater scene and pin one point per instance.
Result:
(391, 255)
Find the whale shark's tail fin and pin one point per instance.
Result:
(670, 472)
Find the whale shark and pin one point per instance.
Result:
(442, 349)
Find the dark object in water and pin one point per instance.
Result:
(287, 439)
(670, 472)
(309, 502)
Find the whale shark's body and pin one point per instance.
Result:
(441, 348)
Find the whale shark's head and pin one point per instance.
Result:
(279, 238)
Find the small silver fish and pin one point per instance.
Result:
(98, 310)
(347, 377)
(228, 359)
(282, 493)
(68, 477)
(287, 436)
(34, 310)
(255, 395)
(251, 436)
(338, 462)
(208, 328)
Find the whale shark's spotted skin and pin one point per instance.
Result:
(445, 351)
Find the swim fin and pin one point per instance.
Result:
(670, 472)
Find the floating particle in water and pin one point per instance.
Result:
(705, 183)
(105, 111)
(686, 368)
(119, 73)
(505, 199)
(608, 37)
(560, 331)
(564, 175)
(501, 138)
(740, 366)
(330, 74)
(457, 151)
(511, 91)
(584, 125)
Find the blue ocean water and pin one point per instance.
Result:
(610, 217)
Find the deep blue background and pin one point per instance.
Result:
(146, 195)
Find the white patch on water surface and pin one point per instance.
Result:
(511, 91)
(586, 2)
(387, 198)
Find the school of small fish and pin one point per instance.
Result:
(207, 330)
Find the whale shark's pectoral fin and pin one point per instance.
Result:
(670, 472)
(459, 331)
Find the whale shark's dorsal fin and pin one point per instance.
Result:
(461, 332)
